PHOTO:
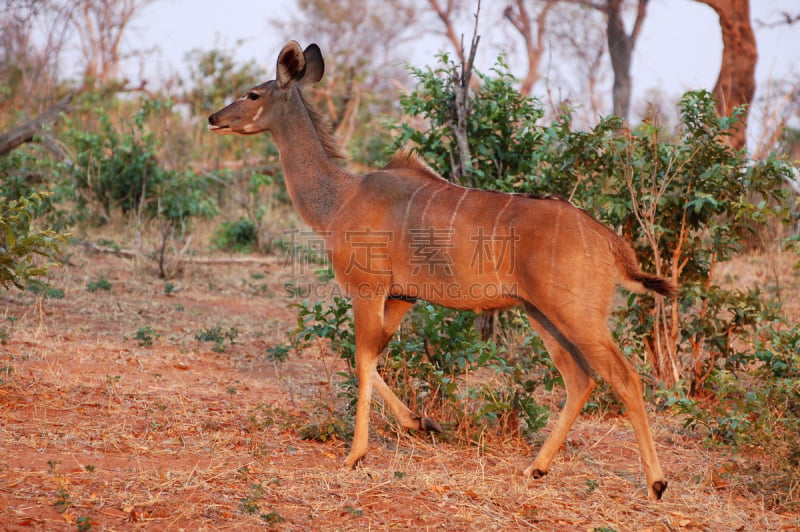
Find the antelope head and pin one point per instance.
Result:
(259, 109)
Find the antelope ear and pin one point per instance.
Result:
(291, 64)
(315, 65)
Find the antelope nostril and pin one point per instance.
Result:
(212, 119)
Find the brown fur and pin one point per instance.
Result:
(409, 160)
(323, 129)
(403, 233)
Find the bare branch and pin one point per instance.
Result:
(641, 12)
(787, 20)
(445, 14)
(27, 131)
(534, 46)
(589, 4)
(458, 123)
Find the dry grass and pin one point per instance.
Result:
(773, 272)
(101, 432)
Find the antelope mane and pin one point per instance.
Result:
(324, 131)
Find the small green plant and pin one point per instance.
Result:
(218, 335)
(332, 428)
(352, 510)
(52, 465)
(249, 504)
(5, 374)
(278, 353)
(145, 336)
(45, 290)
(272, 518)
(98, 283)
(84, 523)
(261, 417)
(62, 502)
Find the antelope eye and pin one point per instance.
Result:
(252, 96)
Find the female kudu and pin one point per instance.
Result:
(403, 233)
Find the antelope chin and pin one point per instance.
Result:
(220, 130)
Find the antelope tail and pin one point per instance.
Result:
(633, 278)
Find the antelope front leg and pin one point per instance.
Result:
(368, 318)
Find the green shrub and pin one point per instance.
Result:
(427, 364)
(98, 283)
(684, 205)
(117, 167)
(685, 202)
(240, 236)
(21, 242)
(145, 336)
(218, 335)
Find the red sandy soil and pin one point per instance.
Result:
(99, 432)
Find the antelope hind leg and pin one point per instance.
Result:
(578, 386)
(393, 312)
(402, 413)
(623, 378)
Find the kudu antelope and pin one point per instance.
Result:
(404, 233)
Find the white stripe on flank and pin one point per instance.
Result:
(408, 209)
(581, 221)
(460, 201)
(430, 199)
(499, 214)
(494, 240)
(556, 228)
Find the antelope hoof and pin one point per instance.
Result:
(538, 473)
(429, 425)
(534, 472)
(352, 461)
(658, 488)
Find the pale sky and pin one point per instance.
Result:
(679, 48)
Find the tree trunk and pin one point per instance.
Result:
(620, 48)
(736, 83)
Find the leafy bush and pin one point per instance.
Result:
(218, 335)
(755, 410)
(29, 171)
(428, 364)
(240, 236)
(145, 336)
(685, 205)
(20, 242)
(116, 169)
(98, 283)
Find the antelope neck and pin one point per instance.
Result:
(316, 186)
